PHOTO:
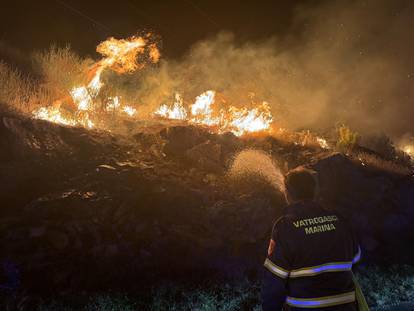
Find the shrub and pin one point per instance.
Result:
(347, 139)
(382, 145)
(16, 90)
(373, 161)
(61, 69)
(19, 92)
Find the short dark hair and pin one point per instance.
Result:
(301, 184)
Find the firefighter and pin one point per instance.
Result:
(311, 253)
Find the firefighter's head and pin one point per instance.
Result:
(301, 185)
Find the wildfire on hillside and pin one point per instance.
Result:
(125, 56)
(122, 57)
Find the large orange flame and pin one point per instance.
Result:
(123, 56)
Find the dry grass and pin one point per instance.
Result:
(61, 70)
(16, 90)
(376, 162)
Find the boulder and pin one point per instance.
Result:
(206, 156)
(181, 138)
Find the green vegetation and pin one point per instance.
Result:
(383, 287)
(347, 138)
(225, 297)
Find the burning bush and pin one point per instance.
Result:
(60, 69)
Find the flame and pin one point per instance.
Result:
(202, 105)
(123, 56)
(201, 109)
(409, 149)
(322, 142)
(82, 98)
(113, 103)
(236, 120)
(52, 114)
(119, 55)
(248, 121)
(131, 111)
(176, 112)
(154, 53)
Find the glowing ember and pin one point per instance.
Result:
(154, 53)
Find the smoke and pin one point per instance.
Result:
(344, 61)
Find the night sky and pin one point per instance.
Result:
(29, 25)
(316, 61)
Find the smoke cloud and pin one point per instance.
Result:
(344, 61)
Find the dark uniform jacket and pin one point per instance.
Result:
(310, 259)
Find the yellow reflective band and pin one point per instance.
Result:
(327, 267)
(321, 302)
(276, 270)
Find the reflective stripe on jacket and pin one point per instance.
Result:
(310, 265)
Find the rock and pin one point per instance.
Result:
(147, 139)
(206, 155)
(111, 250)
(37, 232)
(181, 138)
(57, 240)
(210, 179)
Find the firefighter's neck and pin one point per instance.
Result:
(292, 201)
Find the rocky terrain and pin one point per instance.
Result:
(92, 210)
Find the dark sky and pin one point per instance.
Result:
(35, 24)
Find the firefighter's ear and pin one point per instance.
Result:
(271, 247)
(288, 198)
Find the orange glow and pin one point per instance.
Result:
(122, 56)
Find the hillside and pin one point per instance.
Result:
(93, 210)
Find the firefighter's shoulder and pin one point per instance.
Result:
(280, 224)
